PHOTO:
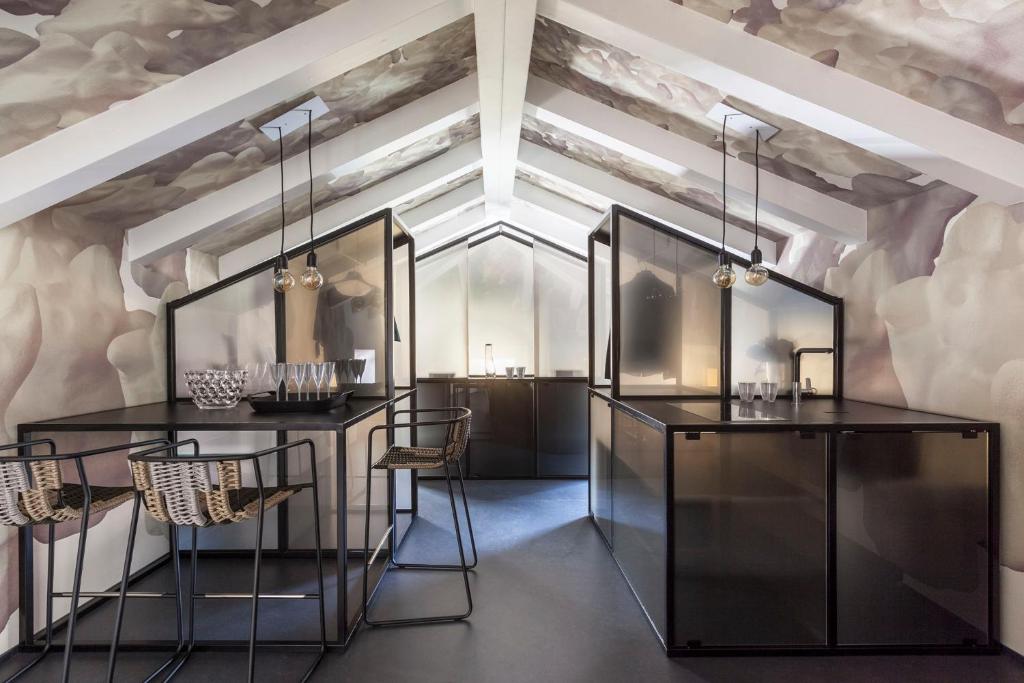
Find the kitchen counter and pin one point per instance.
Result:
(679, 415)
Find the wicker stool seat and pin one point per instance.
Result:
(33, 492)
(200, 490)
(456, 424)
(411, 458)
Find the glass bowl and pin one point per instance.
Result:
(215, 389)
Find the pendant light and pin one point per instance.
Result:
(757, 274)
(724, 276)
(311, 278)
(283, 279)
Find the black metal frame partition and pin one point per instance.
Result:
(608, 396)
(395, 235)
(608, 234)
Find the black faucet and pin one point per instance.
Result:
(796, 359)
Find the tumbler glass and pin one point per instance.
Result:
(747, 391)
(769, 390)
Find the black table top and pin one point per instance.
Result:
(185, 416)
(818, 413)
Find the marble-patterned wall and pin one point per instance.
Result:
(81, 332)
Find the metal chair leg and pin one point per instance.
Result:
(256, 592)
(193, 561)
(469, 520)
(472, 538)
(125, 573)
(49, 608)
(76, 590)
(461, 566)
(318, 555)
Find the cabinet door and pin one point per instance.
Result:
(562, 429)
(750, 539)
(912, 538)
(601, 465)
(502, 435)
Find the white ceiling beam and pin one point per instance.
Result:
(454, 228)
(795, 208)
(791, 85)
(504, 38)
(273, 70)
(555, 203)
(341, 155)
(689, 220)
(401, 188)
(550, 225)
(440, 209)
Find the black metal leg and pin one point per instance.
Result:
(366, 543)
(469, 520)
(193, 562)
(318, 556)
(256, 593)
(49, 607)
(462, 566)
(472, 538)
(119, 617)
(76, 589)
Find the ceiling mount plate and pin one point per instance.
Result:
(294, 119)
(743, 124)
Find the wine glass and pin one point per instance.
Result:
(278, 373)
(328, 374)
(297, 373)
(358, 368)
(344, 366)
(311, 374)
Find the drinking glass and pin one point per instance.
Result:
(328, 375)
(510, 371)
(747, 391)
(344, 370)
(278, 373)
(297, 373)
(769, 390)
(358, 368)
(311, 378)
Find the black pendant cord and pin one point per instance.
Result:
(280, 147)
(309, 156)
(725, 156)
(757, 180)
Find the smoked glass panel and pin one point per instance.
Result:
(344, 319)
(441, 310)
(768, 324)
(601, 465)
(670, 315)
(750, 539)
(639, 511)
(228, 328)
(561, 299)
(501, 304)
(913, 548)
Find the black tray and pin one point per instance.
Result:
(268, 403)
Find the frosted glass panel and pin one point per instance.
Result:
(441, 326)
(344, 319)
(401, 325)
(769, 323)
(230, 327)
(561, 299)
(670, 315)
(501, 304)
(601, 352)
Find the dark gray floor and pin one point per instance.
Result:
(550, 606)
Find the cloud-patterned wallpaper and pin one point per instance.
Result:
(963, 57)
(558, 186)
(441, 190)
(87, 55)
(677, 103)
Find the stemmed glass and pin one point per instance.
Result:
(297, 373)
(278, 373)
(312, 372)
(358, 368)
(327, 368)
(344, 368)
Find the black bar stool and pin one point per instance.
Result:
(33, 492)
(457, 426)
(180, 492)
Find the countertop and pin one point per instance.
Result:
(676, 414)
(184, 415)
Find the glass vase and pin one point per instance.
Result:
(489, 370)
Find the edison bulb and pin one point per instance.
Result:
(724, 276)
(283, 280)
(756, 275)
(311, 278)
